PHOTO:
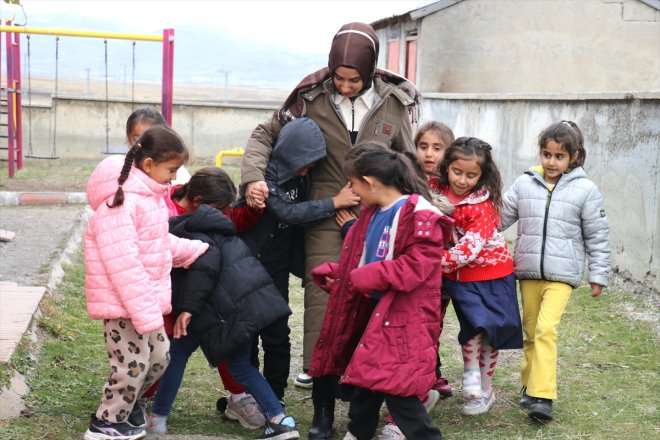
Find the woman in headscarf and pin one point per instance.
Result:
(352, 102)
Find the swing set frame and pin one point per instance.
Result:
(14, 87)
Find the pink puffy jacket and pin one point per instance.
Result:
(128, 251)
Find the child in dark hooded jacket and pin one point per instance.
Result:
(277, 240)
(223, 301)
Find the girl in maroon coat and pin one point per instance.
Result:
(381, 326)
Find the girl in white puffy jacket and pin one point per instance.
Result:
(128, 258)
(561, 221)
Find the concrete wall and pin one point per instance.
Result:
(539, 46)
(622, 139)
(81, 126)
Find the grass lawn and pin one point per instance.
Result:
(608, 377)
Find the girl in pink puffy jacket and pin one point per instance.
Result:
(128, 258)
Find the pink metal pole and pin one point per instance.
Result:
(19, 102)
(11, 157)
(168, 74)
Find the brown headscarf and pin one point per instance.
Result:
(355, 45)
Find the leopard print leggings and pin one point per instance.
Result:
(136, 362)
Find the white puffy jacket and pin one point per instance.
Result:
(556, 228)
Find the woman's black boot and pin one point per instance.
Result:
(321, 429)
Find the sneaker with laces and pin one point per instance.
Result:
(304, 380)
(284, 430)
(389, 432)
(102, 430)
(137, 417)
(479, 405)
(157, 424)
(540, 409)
(442, 386)
(246, 411)
(471, 384)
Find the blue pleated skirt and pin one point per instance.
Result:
(490, 307)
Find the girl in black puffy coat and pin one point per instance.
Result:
(222, 301)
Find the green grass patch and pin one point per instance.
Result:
(608, 377)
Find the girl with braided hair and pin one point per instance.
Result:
(478, 270)
(128, 258)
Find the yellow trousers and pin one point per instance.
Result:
(543, 303)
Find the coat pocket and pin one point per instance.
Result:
(384, 131)
(395, 327)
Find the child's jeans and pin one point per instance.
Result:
(168, 387)
(136, 362)
(408, 413)
(247, 375)
(180, 351)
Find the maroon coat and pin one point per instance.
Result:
(390, 348)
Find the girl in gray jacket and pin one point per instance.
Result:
(561, 218)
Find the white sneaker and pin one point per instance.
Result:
(246, 411)
(473, 407)
(304, 380)
(390, 432)
(157, 424)
(349, 436)
(431, 399)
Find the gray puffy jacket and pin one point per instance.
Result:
(556, 228)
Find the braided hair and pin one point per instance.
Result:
(160, 144)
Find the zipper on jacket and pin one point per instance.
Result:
(545, 227)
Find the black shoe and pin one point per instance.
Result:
(525, 400)
(540, 409)
(321, 429)
(102, 430)
(221, 404)
(137, 418)
(284, 430)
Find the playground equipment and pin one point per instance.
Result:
(232, 152)
(14, 88)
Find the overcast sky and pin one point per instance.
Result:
(303, 25)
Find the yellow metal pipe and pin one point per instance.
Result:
(74, 33)
(232, 152)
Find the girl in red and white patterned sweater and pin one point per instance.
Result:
(478, 269)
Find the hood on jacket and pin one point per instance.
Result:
(205, 219)
(299, 144)
(355, 45)
(103, 182)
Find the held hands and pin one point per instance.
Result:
(256, 194)
(344, 215)
(181, 325)
(596, 289)
(345, 198)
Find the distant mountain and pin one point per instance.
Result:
(201, 55)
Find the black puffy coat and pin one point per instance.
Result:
(228, 292)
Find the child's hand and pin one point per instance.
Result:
(596, 289)
(345, 198)
(256, 194)
(344, 215)
(181, 325)
(327, 280)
